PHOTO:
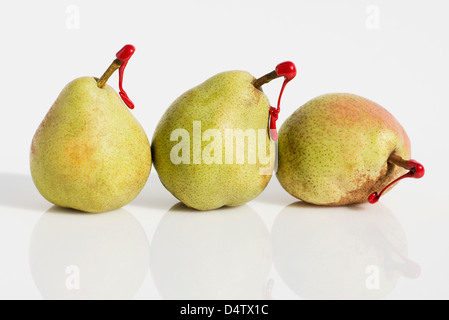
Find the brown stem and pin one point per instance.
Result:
(108, 73)
(265, 79)
(397, 160)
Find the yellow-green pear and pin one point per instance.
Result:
(340, 149)
(212, 147)
(223, 256)
(90, 153)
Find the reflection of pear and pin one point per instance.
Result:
(211, 255)
(356, 252)
(88, 256)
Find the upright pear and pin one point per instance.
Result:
(212, 147)
(90, 153)
(340, 149)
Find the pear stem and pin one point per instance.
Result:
(397, 160)
(108, 73)
(265, 79)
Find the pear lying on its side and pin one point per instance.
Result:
(90, 153)
(335, 150)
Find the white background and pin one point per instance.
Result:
(399, 60)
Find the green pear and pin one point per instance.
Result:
(223, 256)
(194, 151)
(340, 253)
(337, 149)
(90, 153)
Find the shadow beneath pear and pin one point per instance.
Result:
(18, 191)
(220, 254)
(354, 252)
(78, 256)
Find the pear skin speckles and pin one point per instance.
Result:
(226, 101)
(90, 153)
